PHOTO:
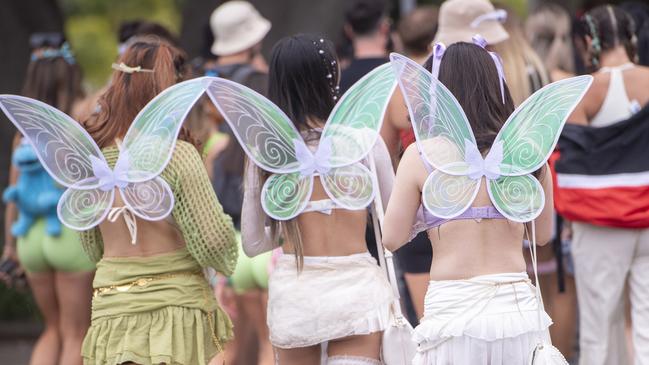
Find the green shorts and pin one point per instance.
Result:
(251, 273)
(39, 252)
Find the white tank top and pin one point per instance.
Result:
(616, 106)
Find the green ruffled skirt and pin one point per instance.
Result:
(172, 318)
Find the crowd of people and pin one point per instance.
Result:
(239, 210)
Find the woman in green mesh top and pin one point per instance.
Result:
(151, 302)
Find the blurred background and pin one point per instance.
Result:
(91, 28)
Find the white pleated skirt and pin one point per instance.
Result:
(485, 320)
(332, 297)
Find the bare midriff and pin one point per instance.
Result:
(341, 233)
(152, 238)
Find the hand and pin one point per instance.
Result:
(9, 252)
(10, 268)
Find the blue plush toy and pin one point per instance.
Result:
(35, 194)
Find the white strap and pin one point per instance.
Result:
(385, 256)
(532, 246)
(129, 219)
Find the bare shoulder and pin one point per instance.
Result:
(410, 155)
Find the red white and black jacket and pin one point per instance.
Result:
(602, 174)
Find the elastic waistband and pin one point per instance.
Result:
(328, 259)
(489, 279)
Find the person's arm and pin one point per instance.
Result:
(543, 223)
(255, 236)
(11, 214)
(207, 231)
(396, 120)
(92, 243)
(405, 200)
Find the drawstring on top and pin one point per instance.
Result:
(129, 219)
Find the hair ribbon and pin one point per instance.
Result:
(128, 69)
(438, 53)
(63, 52)
(479, 41)
(499, 15)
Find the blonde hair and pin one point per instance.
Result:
(548, 30)
(524, 70)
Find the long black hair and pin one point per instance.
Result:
(303, 82)
(469, 72)
(303, 78)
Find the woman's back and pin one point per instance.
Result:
(325, 229)
(468, 247)
(616, 93)
(196, 221)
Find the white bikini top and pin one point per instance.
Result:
(616, 106)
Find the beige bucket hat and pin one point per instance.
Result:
(460, 20)
(236, 26)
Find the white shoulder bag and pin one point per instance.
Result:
(398, 347)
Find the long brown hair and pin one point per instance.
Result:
(55, 81)
(128, 93)
(469, 72)
(471, 75)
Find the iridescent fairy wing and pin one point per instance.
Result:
(436, 116)
(148, 146)
(67, 153)
(526, 141)
(271, 141)
(350, 133)
(443, 136)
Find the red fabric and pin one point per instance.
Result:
(407, 137)
(610, 207)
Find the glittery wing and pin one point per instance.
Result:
(66, 151)
(527, 139)
(441, 128)
(350, 187)
(83, 209)
(354, 124)
(269, 138)
(532, 130)
(443, 136)
(518, 198)
(350, 133)
(447, 196)
(266, 134)
(284, 196)
(150, 141)
(148, 146)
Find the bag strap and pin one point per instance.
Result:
(532, 247)
(385, 257)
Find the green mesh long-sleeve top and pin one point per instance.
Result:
(207, 231)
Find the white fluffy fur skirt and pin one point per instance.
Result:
(485, 320)
(333, 297)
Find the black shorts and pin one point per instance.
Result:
(416, 256)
